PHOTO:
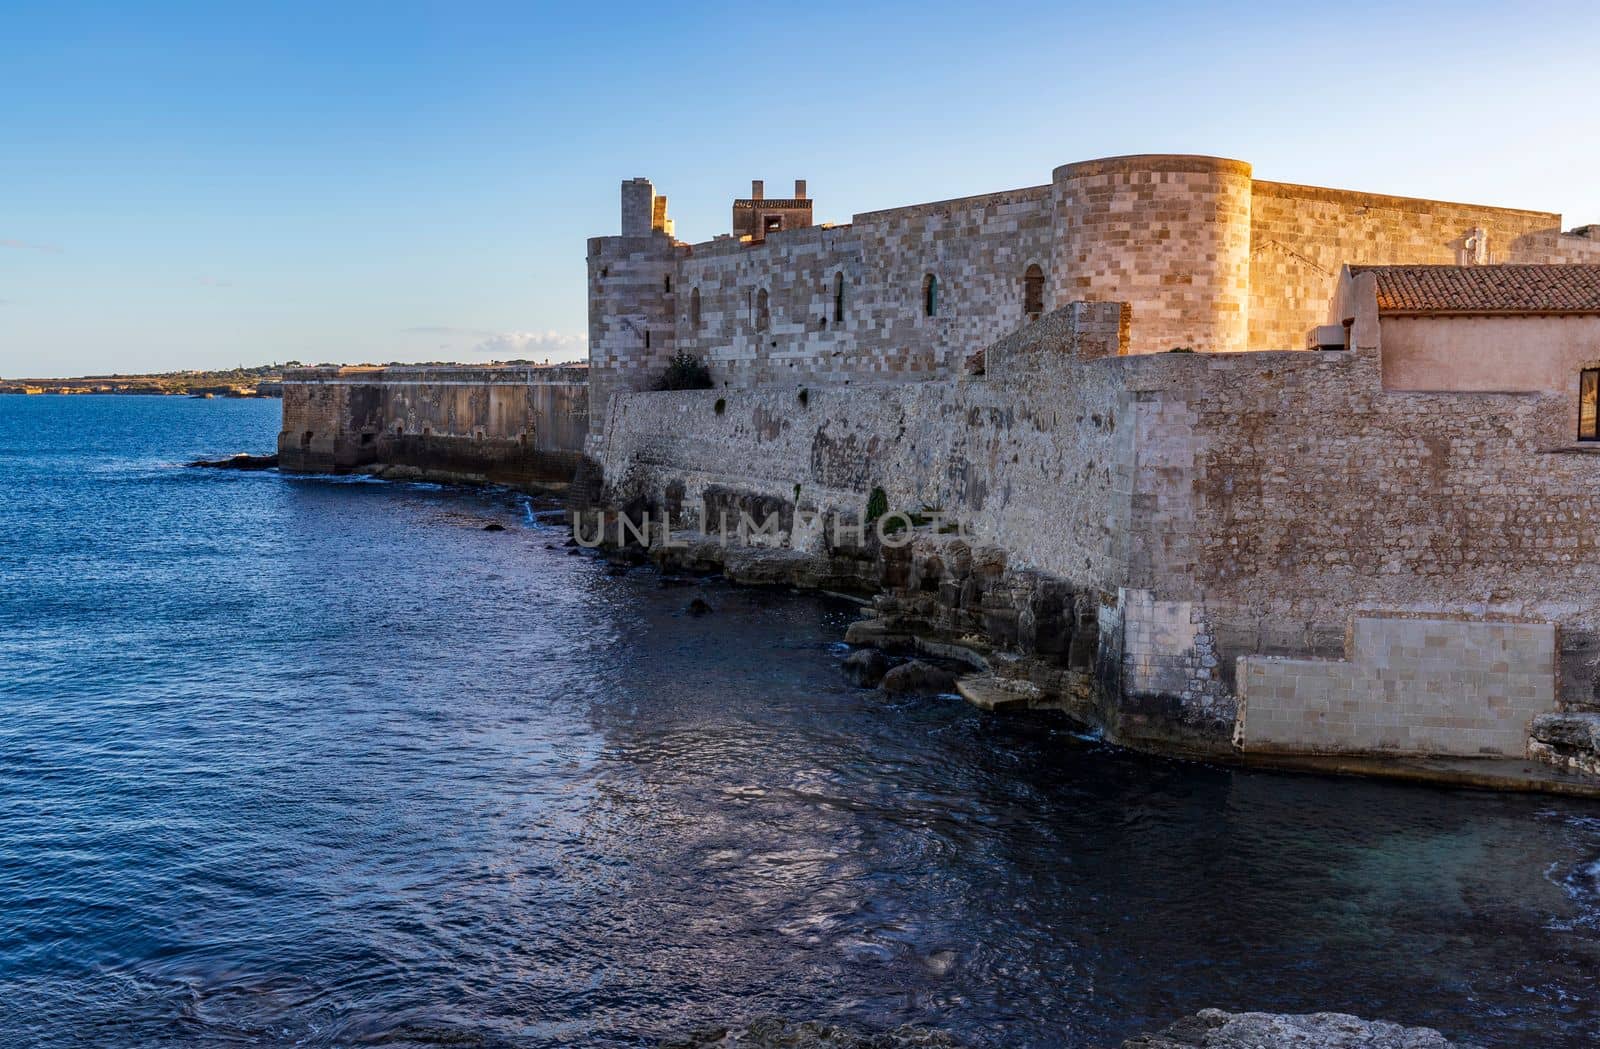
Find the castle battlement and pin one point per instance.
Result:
(1206, 256)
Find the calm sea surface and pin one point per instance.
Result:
(298, 761)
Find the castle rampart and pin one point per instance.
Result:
(1206, 256)
(1222, 511)
(1169, 235)
(508, 424)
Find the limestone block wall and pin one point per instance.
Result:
(1418, 686)
(1169, 235)
(1301, 235)
(1574, 248)
(314, 424)
(799, 338)
(1205, 256)
(1224, 505)
(1039, 458)
(976, 249)
(508, 424)
(1290, 491)
(632, 305)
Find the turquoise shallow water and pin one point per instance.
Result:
(300, 761)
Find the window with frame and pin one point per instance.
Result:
(1589, 404)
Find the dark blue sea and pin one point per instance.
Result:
(295, 761)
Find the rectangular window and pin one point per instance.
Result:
(1589, 405)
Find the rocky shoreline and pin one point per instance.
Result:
(1004, 638)
(1021, 639)
(1207, 1029)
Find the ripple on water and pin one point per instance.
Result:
(318, 761)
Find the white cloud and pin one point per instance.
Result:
(23, 245)
(482, 344)
(532, 345)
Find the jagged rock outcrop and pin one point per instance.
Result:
(1568, 741)
(770, 1032)
(241, 461)
(1207, 1029)
(1215, 1029)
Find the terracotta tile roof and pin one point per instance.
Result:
(1486, 289)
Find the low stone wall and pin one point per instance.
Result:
(1419, 686)
(509, 425)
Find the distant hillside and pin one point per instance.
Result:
(262, 381)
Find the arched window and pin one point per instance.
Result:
(763, 312)
(838, 298)
(1589, 404)
(694, 310)
(1033, 292)
(930, 295)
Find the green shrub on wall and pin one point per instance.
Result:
(685, 371)
(877, 504)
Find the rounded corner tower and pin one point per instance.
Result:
(1167, 234)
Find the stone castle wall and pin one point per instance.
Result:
(1205, 256)
(1170, 236)
(1428, 685)
(1288, 492)
(1041, 464)
(513, 425)
(1222, 505)
(1300, 236)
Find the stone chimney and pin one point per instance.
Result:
(758, 189)
(799, 189)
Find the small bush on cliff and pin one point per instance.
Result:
(685, 371)
(877, 504)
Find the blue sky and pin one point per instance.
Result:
(203, 185)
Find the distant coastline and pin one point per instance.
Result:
(264, 381)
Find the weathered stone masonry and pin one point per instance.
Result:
(1206, 256)
(1217, 508)
(508, 424)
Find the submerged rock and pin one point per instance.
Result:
(494, 526)
(918, 676)
(1215, 1029)
(866, 667)
(770, 1032)
(242, 461)
(395, 472)
(699, 607)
